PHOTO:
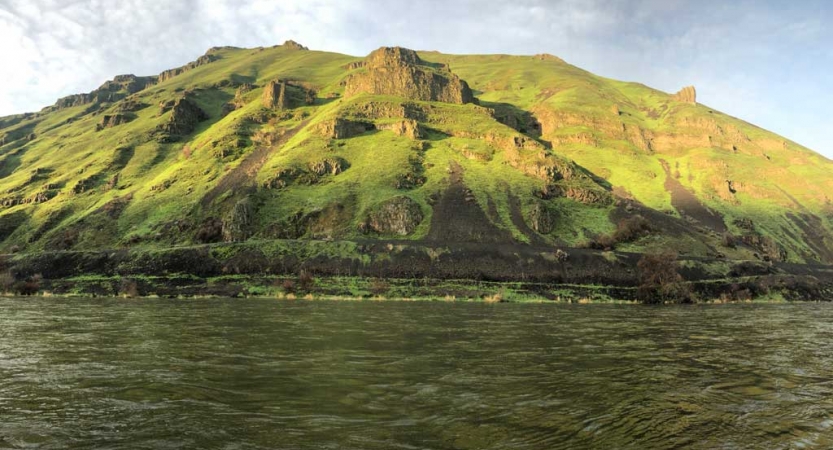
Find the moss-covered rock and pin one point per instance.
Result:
(399, 215)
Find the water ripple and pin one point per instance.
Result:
(236, 374)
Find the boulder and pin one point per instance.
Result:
(400, 72)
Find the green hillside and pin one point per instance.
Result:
(287, 143)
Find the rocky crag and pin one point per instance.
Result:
(400, 72)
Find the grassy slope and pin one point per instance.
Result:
(775, 176)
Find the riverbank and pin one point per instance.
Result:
(398, 270)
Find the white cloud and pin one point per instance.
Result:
(748, 59)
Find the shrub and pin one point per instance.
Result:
(631, 229)
(659, 280)
(7, 281)
(129, 288)
(305, 281)
(729, 240)
(379, 287)
(30, 286)
(627, 230)
(210, 231)
(288, 286)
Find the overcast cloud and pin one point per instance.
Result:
(766, 62)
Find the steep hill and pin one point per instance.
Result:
(288, 143)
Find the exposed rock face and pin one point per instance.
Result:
(399, 215)
(294, 45)
(111, 91)
(408, 128)
(275, 96)
(109, 121)
(686, 95)
(130, 105)
(238, 224)
(185, 115)
(283, 178)
(341, 128)
(400, 72)
(390, 110)
(328, 166)
(769, 248)
(201, 61)
(518, 120)
(541, 219)
(548, 57)
(312, 174)
(282, 94)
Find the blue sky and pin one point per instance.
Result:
(769, 63)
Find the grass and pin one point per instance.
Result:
(703, 147)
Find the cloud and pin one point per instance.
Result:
(763, 61)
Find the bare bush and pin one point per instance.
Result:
(379, 287)
(659, 280)
(129, 288)
(305, 281)
(627, 230)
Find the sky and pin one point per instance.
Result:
(767, 62)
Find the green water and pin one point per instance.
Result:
(256, 374)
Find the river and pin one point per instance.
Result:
(258, 374)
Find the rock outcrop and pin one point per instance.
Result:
(399, 215)
(290, 44)
(111, 91)
(400, 72)
(185, 116)
(309, 175)
(328, 166)
(341, 128)
(686, 95)
(275, 95)
(282, 94)
(237, 225)
(201, 61)
(408, 127)
(769, 248)
(541, 219)
(113, 120)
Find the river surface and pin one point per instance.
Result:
(257, 374)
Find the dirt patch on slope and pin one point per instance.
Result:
(458, 218)
(688, 205)
(242, 177)
(814, 235)
(520, 223)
